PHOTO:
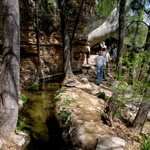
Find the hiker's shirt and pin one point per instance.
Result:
(100, 61)
(114, 52)
(106, 56)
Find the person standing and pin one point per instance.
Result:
(114, 53)
(88, 51)
(103, 45)
(100, 64)
(107, 58)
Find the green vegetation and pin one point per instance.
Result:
(136, 32)
(58, 94)
(33, 85)
(24, 98)
(112, 98)
(102, 95)
(74, 100)
(59, 10)
(105, 7)
(130, 78)
(145, 142)
(66, 128)
(20, 124)
(66, 102)
(60, 91)
(66, 122)
(65, 116)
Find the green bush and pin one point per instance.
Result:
(65, 116)
(24, 98)
(33, 85)
(66, 122)
(101, 95)
(20, 124)
(66, 128)
(112, 98)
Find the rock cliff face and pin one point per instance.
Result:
(51, 53)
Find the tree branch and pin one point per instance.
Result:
(136, 22)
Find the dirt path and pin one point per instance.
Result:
(86, 110)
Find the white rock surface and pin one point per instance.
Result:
(110, 142)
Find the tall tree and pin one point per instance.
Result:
(75, 27)
(66, 41)
(37, 42)
(9, 78)
(121, 35)
(145, 104)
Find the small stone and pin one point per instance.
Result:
(84, 80)
(70, 83)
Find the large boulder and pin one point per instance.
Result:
(110, 142)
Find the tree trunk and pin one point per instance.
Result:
(9, 78)
(121, 36)
(147, 44)
(145, 105)
(142, 113)
(135, 35)
(75, 26)
(108, 28)
(66, 41)
(37, 42)
(147, 48)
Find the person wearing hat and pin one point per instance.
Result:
(88, 50)
(100, 65)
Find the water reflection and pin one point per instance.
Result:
(38, 112)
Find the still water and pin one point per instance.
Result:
(38, 113)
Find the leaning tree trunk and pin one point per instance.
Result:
(142, 113)
(9, 78)
(108, 28)
(66, 41)
(121, 36)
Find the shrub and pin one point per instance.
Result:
(33, 85)
(24, 98)
(101, 95)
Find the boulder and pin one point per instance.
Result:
(17, 139)
(110, 142)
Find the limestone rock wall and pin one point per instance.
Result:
(50, 37)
